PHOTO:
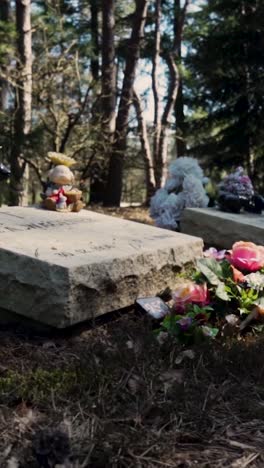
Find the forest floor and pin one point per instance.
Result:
(139, 214)
(113, 396)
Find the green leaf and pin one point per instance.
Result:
(259, 302)
(170, 323)
(258, 328)
(214, 332)
(196, 309)
(221, 292)
(226, 269)
(211, 269)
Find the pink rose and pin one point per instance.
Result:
(188, 293)
(247, 256)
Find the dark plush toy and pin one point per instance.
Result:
(236, 193)
(4, 172)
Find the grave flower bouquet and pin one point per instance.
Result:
(223, 295)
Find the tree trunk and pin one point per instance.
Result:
(161, 122)
(244, 102)
(179, 105)
(115, 174)
(108, 99)
(155, 84)
(104, 111)
(180, 122)
(161, 168)
(4, 17)
(94, 39)
(22, 119)
(146, 150)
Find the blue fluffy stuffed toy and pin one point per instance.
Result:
(184, 188)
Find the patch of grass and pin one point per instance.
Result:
(36, 386)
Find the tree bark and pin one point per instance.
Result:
(94, 39)
(108, 99)
(162, 121)
(115, 174)
(104, 111)
(4, 17)
(180, 122)
(179, 105)
(22, 119)
(161, 167)
(155, 84)
(146, 150)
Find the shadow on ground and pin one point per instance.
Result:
(114, 397)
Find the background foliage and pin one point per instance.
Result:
(212, 49)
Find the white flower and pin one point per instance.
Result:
(255, 281)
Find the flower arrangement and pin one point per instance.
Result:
(224, 294)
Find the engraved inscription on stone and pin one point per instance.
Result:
(90, 249)
(43, 225)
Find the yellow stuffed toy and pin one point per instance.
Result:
(60, 195)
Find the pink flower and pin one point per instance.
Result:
(247, 256)
(214, 253)
(238, 277)
(188, 293)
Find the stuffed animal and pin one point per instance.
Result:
(60, 195)
(4, 172)
(184, 188)
(236, 193)
(61, 203)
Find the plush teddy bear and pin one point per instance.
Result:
(184, 188)
(60, 195)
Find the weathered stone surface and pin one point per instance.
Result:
(222, 229)
(64, 268)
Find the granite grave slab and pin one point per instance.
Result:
(222, 229)
(64, 268)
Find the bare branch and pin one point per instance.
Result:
(73, 120)
(49, 130)
(173, 87)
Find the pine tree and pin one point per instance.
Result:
(227, 96)
(23, 103)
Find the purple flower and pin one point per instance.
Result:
(214, 253)
(185, 323)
